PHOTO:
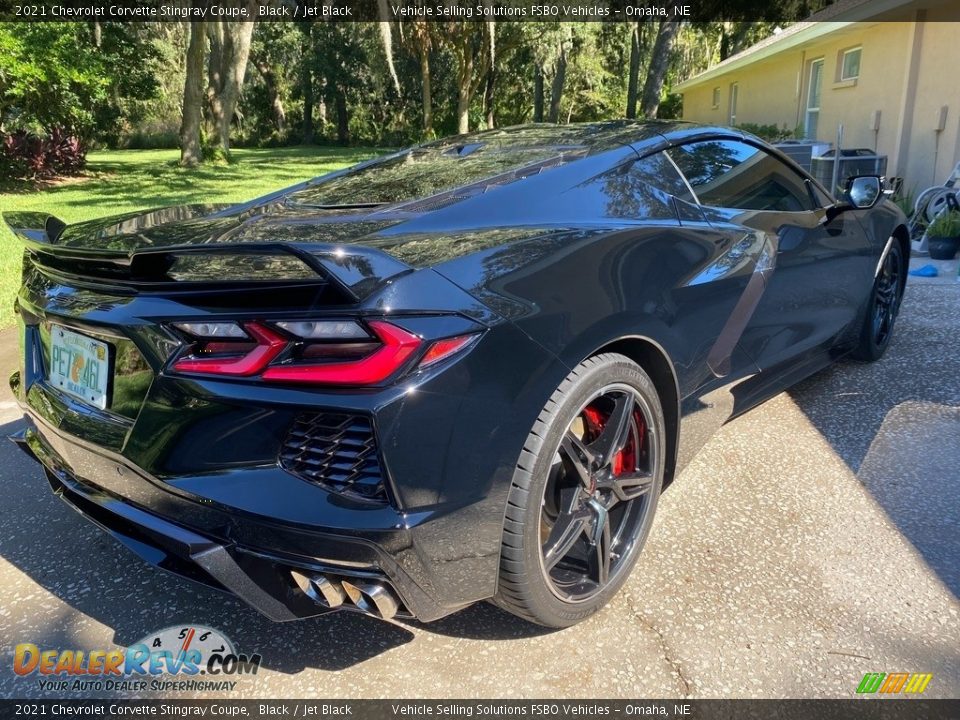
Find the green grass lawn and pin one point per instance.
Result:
(129, 180)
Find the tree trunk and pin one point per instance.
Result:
(634, 79)
(556, 89)
(426, 91)
(464, 78)
(321, 106)
(538, 94)
(233, 66)
(306, 82)
(343, 117)
(666, 35)
(469, 76)
(213, 108)
(488, 98)
(491, 75)
(269, 76)
(190, 151)
(386, 39)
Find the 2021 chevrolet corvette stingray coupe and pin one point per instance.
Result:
(463, 371)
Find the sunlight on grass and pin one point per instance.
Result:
(129, 180)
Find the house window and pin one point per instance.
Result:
(850, 64)
(734, 91)
(716, 98)
(813, 99)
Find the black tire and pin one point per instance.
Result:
(883, 306)
(606, 399)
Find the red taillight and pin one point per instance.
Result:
(269, 344)
(310, 352)
(442, 349)
(398, 346)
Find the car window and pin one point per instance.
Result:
(426, 171)
(823, 200)
(659, 171)
(637, 189)
(733, 174)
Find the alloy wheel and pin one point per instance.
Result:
(887, 296)
(597, 498)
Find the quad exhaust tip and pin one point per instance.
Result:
(372, 598)
(367, 596)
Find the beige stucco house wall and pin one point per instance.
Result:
(904, 102)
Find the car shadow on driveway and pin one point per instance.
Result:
(95, 578)
(896, 424)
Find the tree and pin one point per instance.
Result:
(473, 52)
(229, 49)
(306, 79)
(662, 47)
(66, 75)
(541, 42)
(191, 153)
(538, 93)
(386, 40)
(491, 79)
(421, 43)
(351, 79)
(633, 79)
(268, 106)
(226, 68)
(559, 77)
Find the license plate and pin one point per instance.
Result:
(79, 366)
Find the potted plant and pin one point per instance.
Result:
(943, 235)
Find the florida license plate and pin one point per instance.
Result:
(79, 366)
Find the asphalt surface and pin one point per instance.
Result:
(813, 540)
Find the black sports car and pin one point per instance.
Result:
(464, 371)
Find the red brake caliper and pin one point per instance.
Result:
(627, 457)
(595, 423)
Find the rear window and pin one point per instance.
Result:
(639, 189)
(423, 172)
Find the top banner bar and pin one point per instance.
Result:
(422, 10)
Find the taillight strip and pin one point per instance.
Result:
(398, 346)
(269, 345)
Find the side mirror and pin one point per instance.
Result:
(863, 192)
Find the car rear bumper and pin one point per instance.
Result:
(211, 456)
(285, 573)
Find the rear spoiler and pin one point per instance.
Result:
(35, 226)
(355, 271)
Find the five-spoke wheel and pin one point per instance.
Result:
(584, 493)
(884, 305)
(597, 493)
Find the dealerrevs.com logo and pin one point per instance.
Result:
(170, 660)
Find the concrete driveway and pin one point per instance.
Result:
(813, 540)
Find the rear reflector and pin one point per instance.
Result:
(442, 349)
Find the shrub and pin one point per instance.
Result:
(906, 200)
(770, 133)
(144, 140)
(945, 225)
(26, 156)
